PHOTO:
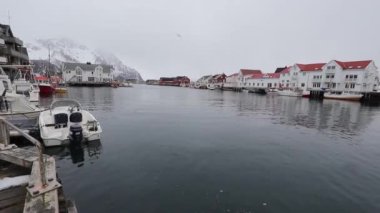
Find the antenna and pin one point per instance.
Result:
(9, 19)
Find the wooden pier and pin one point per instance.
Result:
(370, 98)
(42, 192)
(89, 84)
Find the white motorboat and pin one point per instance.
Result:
(210, 86)
(67, 122)
(21, 85)
(290, 92)
(12, 103)
(34, 93)
(343, 96)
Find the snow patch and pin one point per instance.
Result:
(9, 182)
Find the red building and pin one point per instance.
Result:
(175, 81)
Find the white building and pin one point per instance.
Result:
(203, 82)
(357, 76)
(86, 73)
(232, 82)
(244, 75)
(264, 80)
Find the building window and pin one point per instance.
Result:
(355, 76)
(302, 84)
(253, 84)
(327, 76)
(304, 73)
(346, 86)
(332, 76)
(351, 76)
(347, 76)
(352, 86)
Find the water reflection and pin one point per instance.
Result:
(78, 153)
(336, 118)
(92, 99)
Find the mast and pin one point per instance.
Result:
(48, 71)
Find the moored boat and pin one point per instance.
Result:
(67, 122)
(343, 96)
(306, 94)
(46, 88)
(290, 92)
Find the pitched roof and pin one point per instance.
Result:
(235, 74)
(286, 70)
(85, 67)
(249, 72)
(280, 69)
(311, 67)
(353, 64)
(265, 75)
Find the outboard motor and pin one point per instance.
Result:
(76, 130)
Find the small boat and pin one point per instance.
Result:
(343, 96)
(61, 90)
(12, 103)
(66, 122)
(46, 88)
(21, 85)
(291, 92)
(211, 86)
(272, 91)
(306, 94)
(34, 93)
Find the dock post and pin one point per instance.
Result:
(4, 133)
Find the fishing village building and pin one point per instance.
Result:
(182, 81)
(351, 76)
(78, 74)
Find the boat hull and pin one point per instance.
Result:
(344, 97)
(46, 89)
(289, 93)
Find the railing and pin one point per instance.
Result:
(5, 139)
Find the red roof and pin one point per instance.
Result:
(266, 75)
(311, 67)
(249, 72)
(354, 64)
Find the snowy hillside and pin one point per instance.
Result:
(65, 50)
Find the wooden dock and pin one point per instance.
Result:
(42, 192)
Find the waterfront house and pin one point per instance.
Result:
(232, 82)
(87, 74)
(307, 76)
(244, 74)
(175, 81)
(354, 76)
(203, 82)
(152, 82)
(263, 80)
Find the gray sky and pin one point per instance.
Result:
(197, 37)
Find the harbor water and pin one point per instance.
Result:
(170, 149)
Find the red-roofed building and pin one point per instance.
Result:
(355, 76)
(244, 74)
(232, 82)
(263, 80)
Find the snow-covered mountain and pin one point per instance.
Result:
(66, 50)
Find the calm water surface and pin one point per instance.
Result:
(167, 149)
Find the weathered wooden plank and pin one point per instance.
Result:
(13, 209)
(19, 156)
(12, 192)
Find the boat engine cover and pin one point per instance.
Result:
(76, 133)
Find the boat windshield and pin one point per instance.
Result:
(60, 103)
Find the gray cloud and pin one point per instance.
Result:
(215, 35)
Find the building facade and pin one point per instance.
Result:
(175, 81)
(12, 52)
(86, 73)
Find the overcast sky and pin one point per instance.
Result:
(198, 37)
